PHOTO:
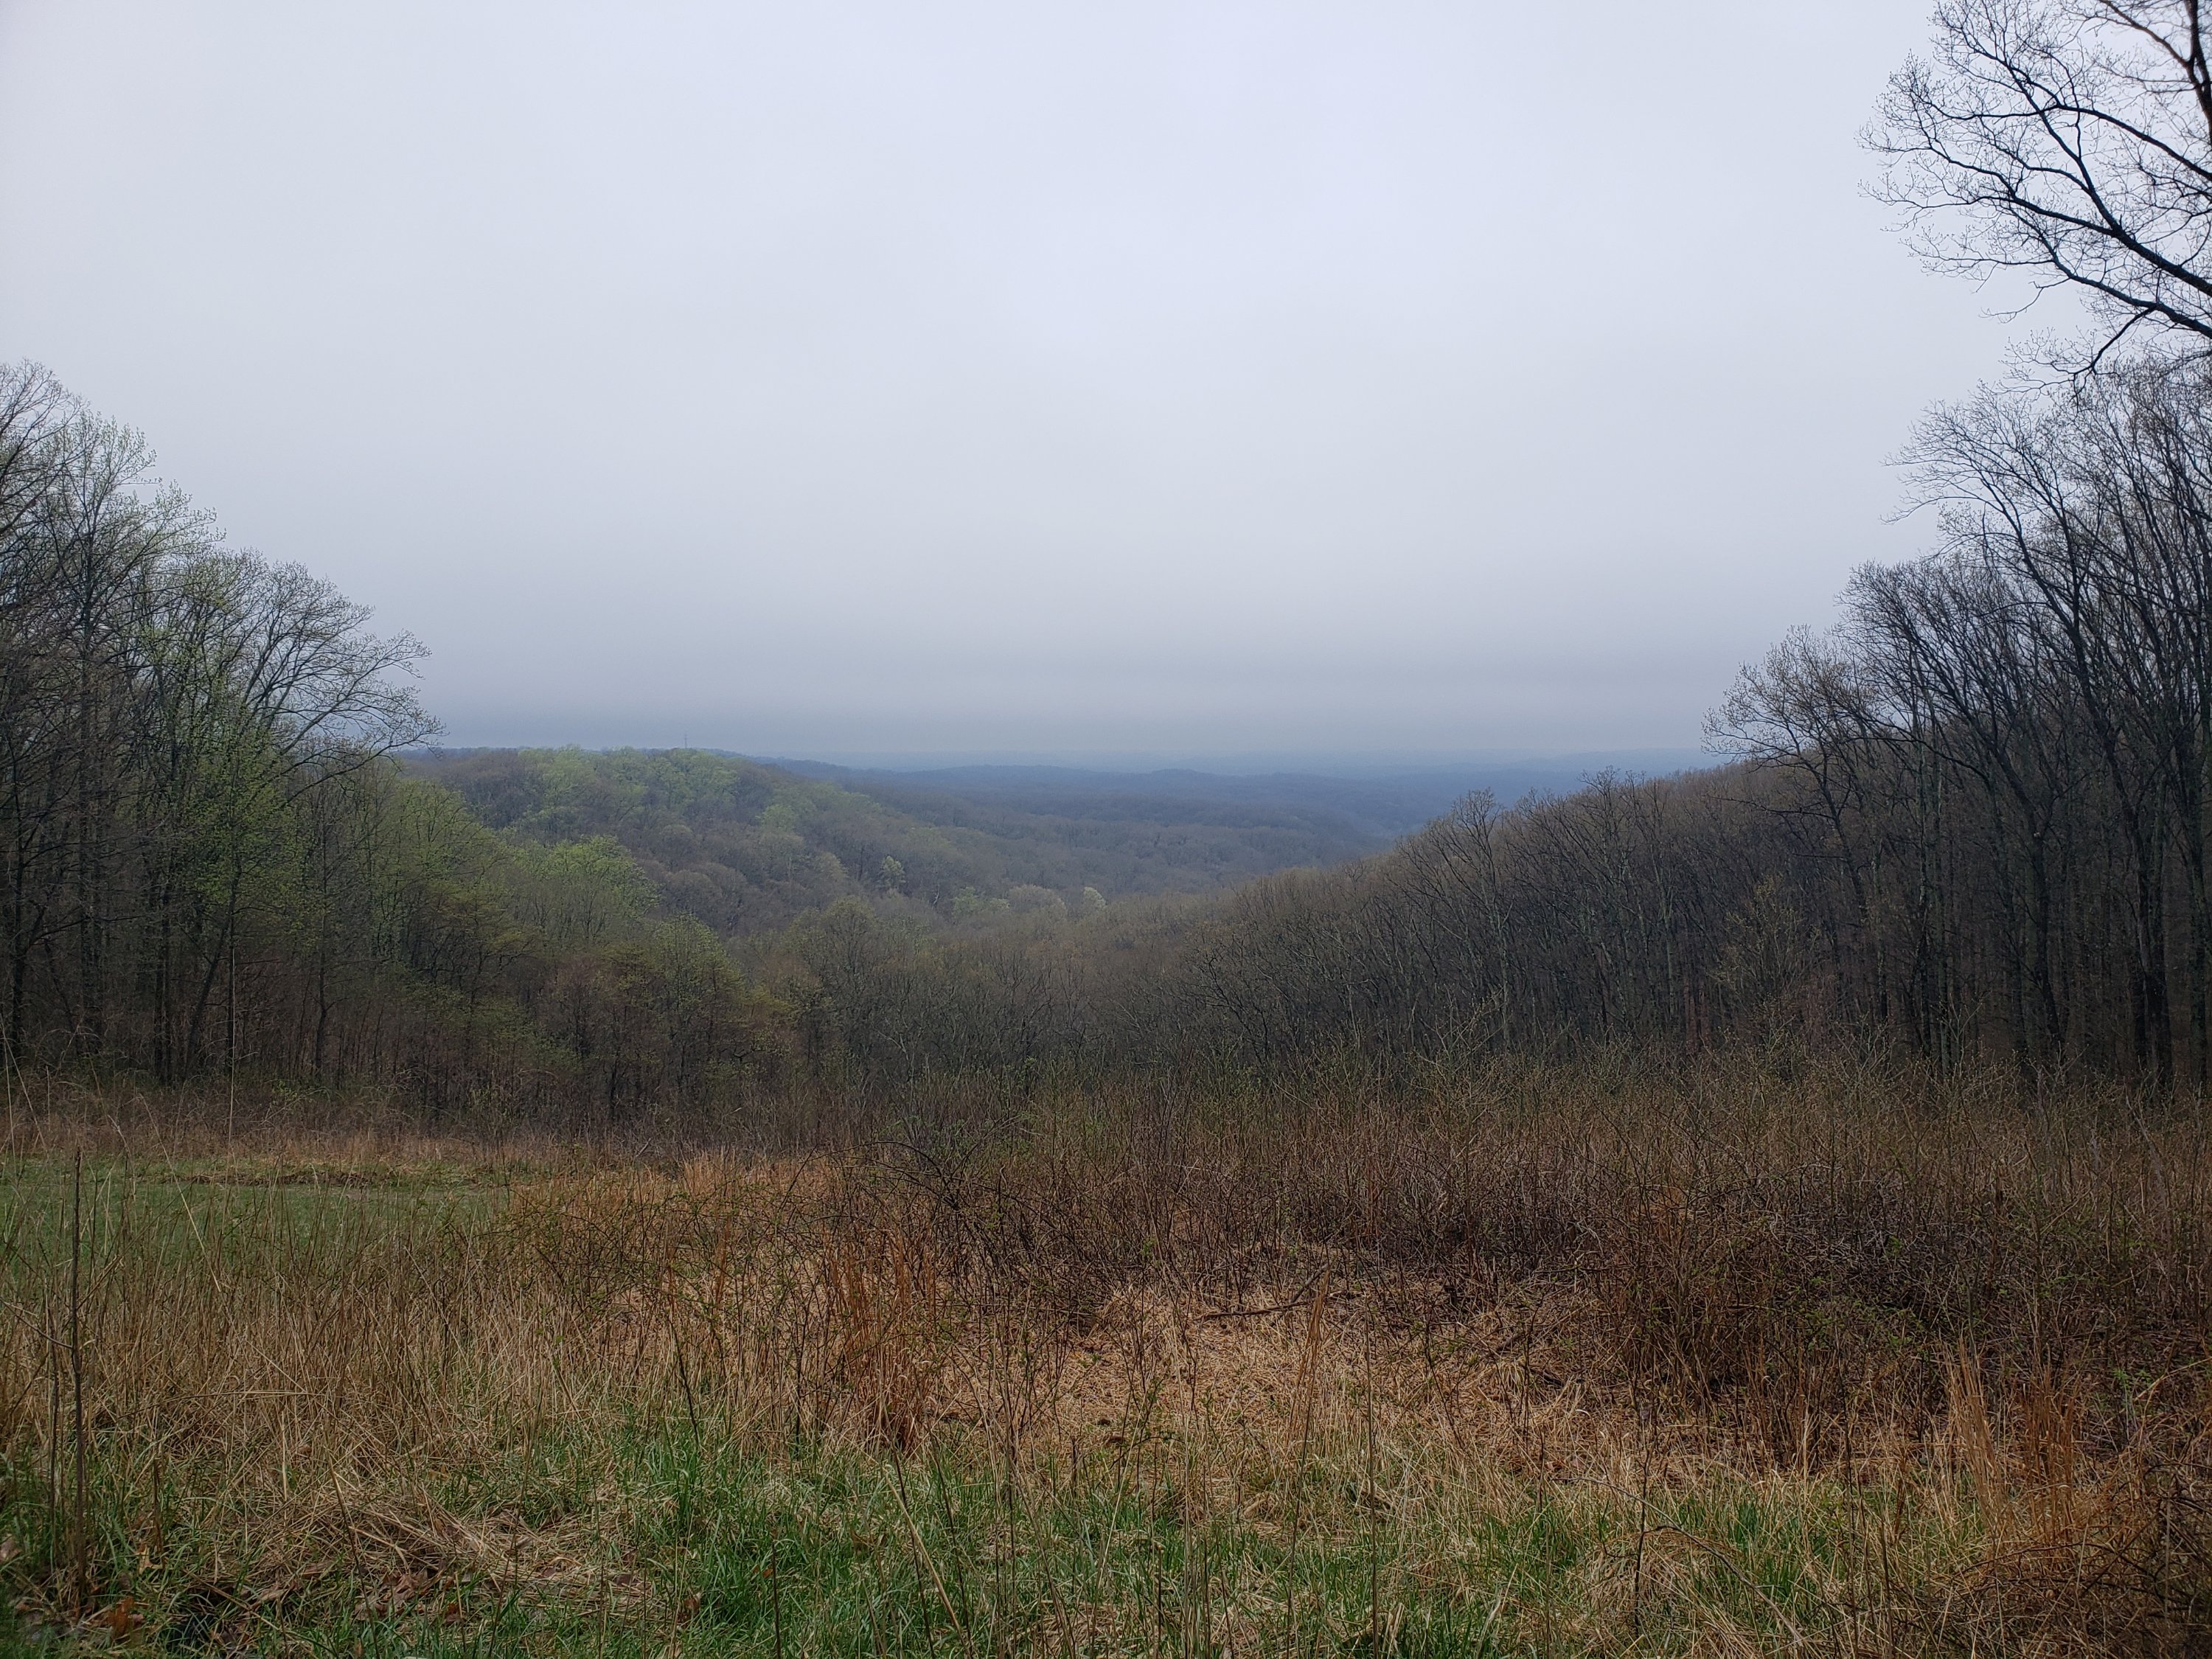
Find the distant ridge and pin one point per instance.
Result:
(1381, 806)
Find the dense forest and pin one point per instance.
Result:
(745, 846)
(1361, 812)
(1968, 823)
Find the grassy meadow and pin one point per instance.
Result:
(1558, 1360)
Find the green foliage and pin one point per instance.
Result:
(579, 893)
(749, 849)
(743, 847)
(968, 905)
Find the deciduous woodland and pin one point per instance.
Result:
(1968, 825)
(656, 1202)
(594, 1201)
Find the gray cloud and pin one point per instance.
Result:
(1177, 377)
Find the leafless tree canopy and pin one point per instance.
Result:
(2067, 139)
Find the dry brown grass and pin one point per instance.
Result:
(1958, 1344)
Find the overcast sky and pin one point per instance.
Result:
(1174, 377)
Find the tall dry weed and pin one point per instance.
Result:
(1538, 1280)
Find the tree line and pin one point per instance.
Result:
(209, 860)
(2001, 752)
(1968, 821)
(172, 715)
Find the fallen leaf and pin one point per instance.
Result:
(118, 1620)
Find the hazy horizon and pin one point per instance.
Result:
(1175, 380)
(1349, 764)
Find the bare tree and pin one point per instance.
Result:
(2070, 140)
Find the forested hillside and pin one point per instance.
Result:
(747, 846)
(218, 863)
(1362, 811)
(1969, 824)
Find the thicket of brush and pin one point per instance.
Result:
(1575, 1358)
